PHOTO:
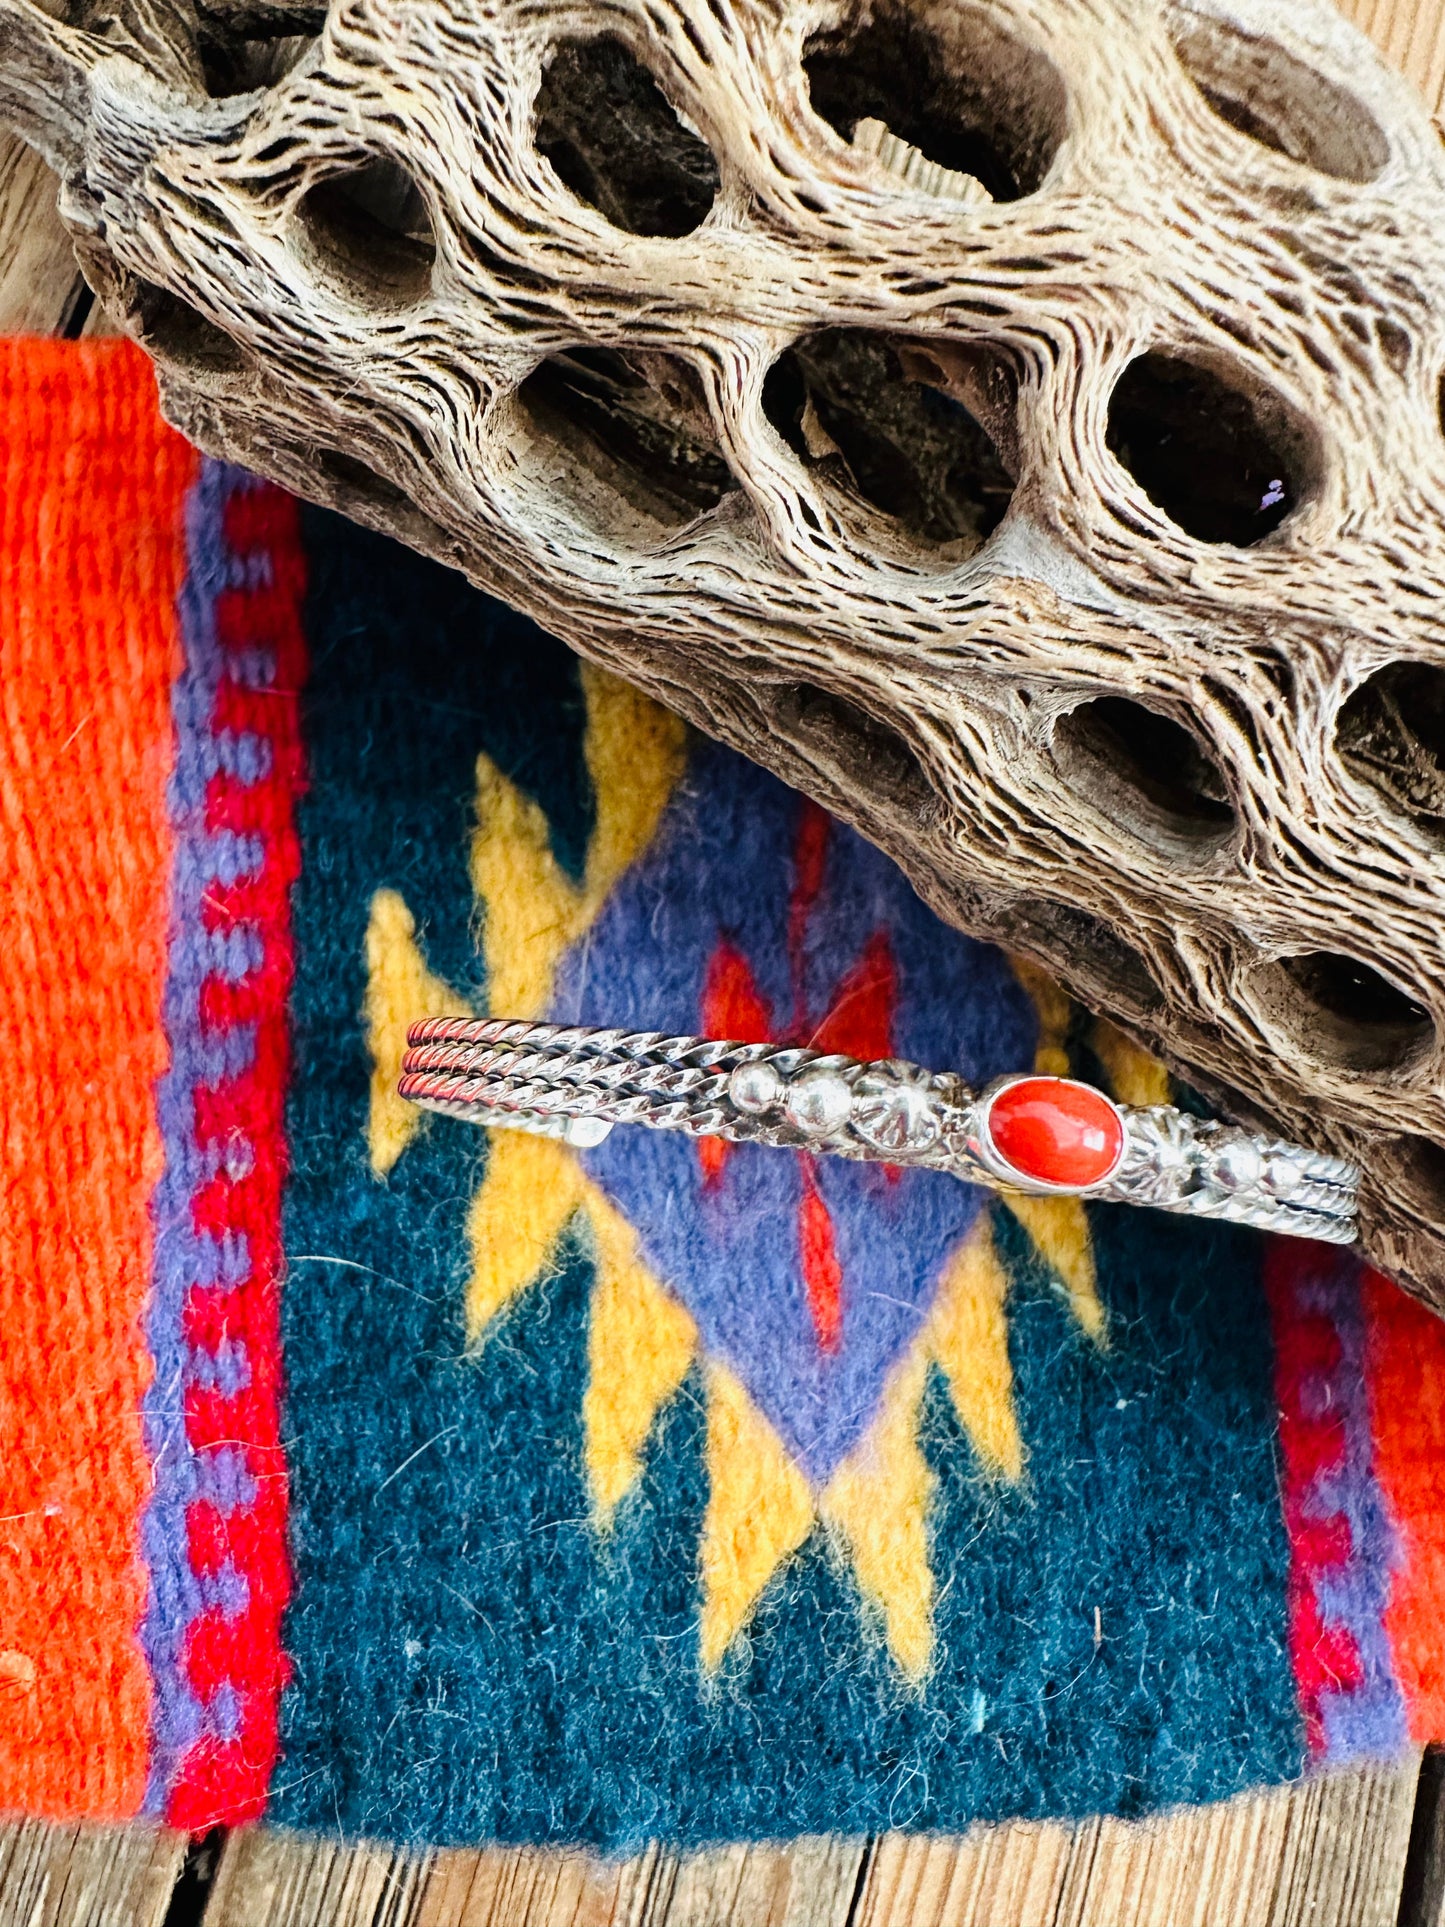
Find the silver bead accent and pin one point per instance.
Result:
(895, 1112)
(755, 1088)
(818, 1102)
(586, 1132)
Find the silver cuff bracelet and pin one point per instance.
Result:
(1050, 1136)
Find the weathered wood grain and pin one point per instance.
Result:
(1411, 35)
(289, 1879)
(1330, 1853)
(40, 283)
(809, 1883)
(282, 1880)
(59, 1876)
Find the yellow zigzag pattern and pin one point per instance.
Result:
(641, 1341)
(534, 912)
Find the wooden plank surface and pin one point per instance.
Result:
(1411, 35)
(1331, 1853)
(40, 286)
(283, 1880)
(53, 1876)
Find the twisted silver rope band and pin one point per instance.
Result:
(576, 1083)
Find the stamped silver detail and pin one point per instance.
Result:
(895, 1110)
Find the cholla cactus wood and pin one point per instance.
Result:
(1015, 421)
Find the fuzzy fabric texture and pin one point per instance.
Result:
(1109, 1632)
(1341, 1532)
(365, 1470)
(826, 945)
(215, 1528)
(91, 565)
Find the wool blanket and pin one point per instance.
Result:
(365, 1469)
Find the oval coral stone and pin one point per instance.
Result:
(1055, 1131)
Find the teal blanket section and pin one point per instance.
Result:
(472, 1661)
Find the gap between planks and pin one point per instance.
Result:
(1330, 1853)
(70, 1876)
